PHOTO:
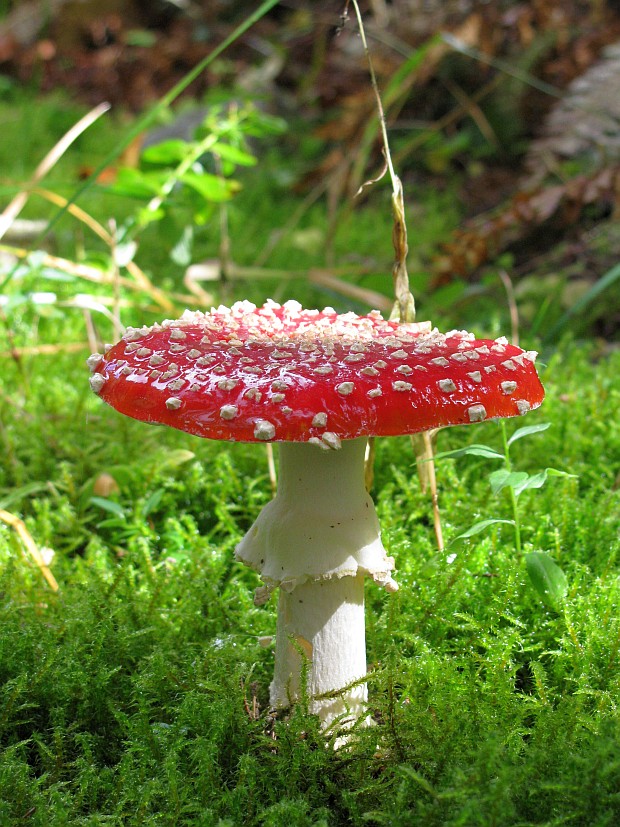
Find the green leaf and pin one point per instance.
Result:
(430, 566)
(167, 153)
(507, 479)
(471, 450)
(419, 779)
(478, 527)
(147, 215)
(18, 494)
(547, 578)
(52, 274)
(140, 37)
(109, 506)
(152, 502)
(232, 153)
(124, 253)
(399, 81)
(539, 479)
(210, 187)
(14, 301)
(136, 184)
(145, 121)
(528, 429)
(260, 124)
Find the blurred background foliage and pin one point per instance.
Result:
(502, 122)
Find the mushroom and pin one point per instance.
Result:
(319, 384)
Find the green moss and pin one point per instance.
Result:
(127, 697)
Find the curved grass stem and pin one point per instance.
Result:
(511, 492)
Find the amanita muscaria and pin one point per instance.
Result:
(319, 384)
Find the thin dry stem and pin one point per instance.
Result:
(108, 238)
(209, 271)
(116, 287)
(91, 332)
(471, 107)
(46, 350)
(423, 448)
(448, 119)
(92, 274)
(13, 209)
(74, 210)
(271, 466)
(512, 306)
(29, 544)
(404, 307)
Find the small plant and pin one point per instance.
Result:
(545, 575)
(194, 174)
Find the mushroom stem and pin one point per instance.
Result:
(321, 625)
(317, 540)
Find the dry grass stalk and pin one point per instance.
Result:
(210, 271)
(404, 306)
(352, 291)
(512, 306)
(93, 274)
(109, 239)
(423, 448)
(13, 209)
(29, 544)
(271, 466)
(46, 350)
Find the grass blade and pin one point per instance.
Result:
(547, 578)
(599, 287)
(527, 430)
(478, 527)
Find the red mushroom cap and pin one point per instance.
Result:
(287, 374)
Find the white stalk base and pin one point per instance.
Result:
(321, 623)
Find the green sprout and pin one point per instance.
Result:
(545, 575)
